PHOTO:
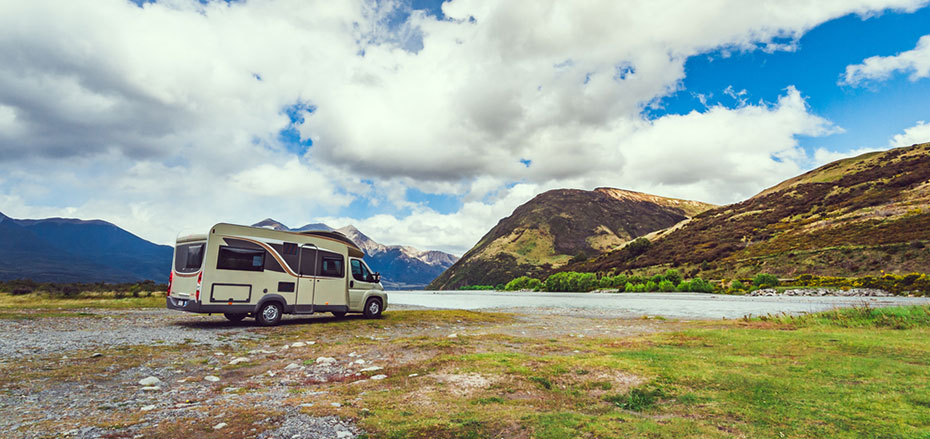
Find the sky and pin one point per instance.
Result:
(424, 123)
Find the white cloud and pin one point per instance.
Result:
(166, 117)
(879, 68)
(919, 133)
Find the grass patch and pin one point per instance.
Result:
(638, 399)
(899, 317)
(43, 301)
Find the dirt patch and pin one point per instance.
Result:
(464, 384)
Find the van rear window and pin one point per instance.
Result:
(244, 259)
(188, 257)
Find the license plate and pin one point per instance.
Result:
(182, 303)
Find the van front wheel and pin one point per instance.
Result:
(373, 308)
(269, 314)
(234, 317)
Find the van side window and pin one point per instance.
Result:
(243, 259)
(360, 271)
(308, 262)
(331, 264)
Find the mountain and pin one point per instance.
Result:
(71, 250)
(401, 267)
(852, 217)
(559, 225)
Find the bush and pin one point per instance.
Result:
(629, 288)
(570, 281)
(476, 287)
(637, 246)
(684, 286)
(765, 279)
(523, 283)
(666, 286)
(651, 286)
(699, 285)
(737, 285)
(672, 275)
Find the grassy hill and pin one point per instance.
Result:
(852, 217)
(558, 225)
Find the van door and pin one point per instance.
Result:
(329, 293)
(306, 281)
(361, 281)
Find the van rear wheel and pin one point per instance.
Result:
(269, 314)
(234, 317)
(373, 308)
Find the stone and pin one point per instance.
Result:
(335, 404)
(148, 408)
(239, 360)
(151, 388)
(299, 344)
(413, 375)
(453, 335)
(325, 360)
(342, 433)
(211, 378)
(149, 381)
(96, 355)
(379, 377)
(371, 369)
(219, 426)
(219, 354)
(292, 366)
(359, 361)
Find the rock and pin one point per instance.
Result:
(239, 360)
(151, 388)
(219, 354)
(452, 336)
(149, 381)
(299, 344)
(335, 404)
(211, 378)
(371, 369)
(325, 360)
(219, 426)
(147, 408)
(342, 433)
(96, 355)
(307, 404)
(311, 342)
(292, 366)
(413, 375)
(379, 377)
(359, 361)
(353, 354)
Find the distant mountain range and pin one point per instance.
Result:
(401, 267)
(853, 217)
(559, 225)
(71, 250)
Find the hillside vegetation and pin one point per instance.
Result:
(558, 226)
(853, 217)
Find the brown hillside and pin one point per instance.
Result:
(851, 217)
(555, 226)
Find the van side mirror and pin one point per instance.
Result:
(376, 277)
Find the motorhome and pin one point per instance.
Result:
(242, 271)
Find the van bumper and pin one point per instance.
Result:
(197, 307)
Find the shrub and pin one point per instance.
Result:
(20, 291)
(684, 286)
(765, 279)
(476, 287)
(737, 285)
(523, 283)
(629, 288)
(637, 246)
(672, 275)
(666, 286)
(637, 399)
(570, 281)
(639, 288)
(699, 285)
(651, 286)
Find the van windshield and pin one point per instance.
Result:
(188, 257)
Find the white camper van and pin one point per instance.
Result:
(244, 271)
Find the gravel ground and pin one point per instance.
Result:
(208, 372)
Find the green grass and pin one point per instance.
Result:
(844, 374)
(11, 303)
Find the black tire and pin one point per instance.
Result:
(339, 314)
(269, 314)
(373, 308)
(234, 317)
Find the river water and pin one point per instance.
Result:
(671, 305)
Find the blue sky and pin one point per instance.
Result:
(426, 129)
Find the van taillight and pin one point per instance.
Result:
(170, 281)
(199, 283)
